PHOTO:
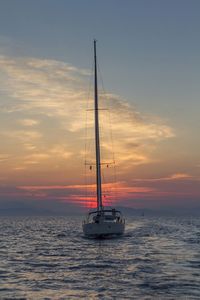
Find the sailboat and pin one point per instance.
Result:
(102, 222)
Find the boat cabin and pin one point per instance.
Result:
(105, 215)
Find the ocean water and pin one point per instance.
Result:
(48, 258)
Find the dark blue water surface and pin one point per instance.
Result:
(48, 258)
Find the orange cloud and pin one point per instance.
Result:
(173, 177)
(112, 194)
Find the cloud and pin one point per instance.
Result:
(172, 177)
(28, 122)
(179, 176)
(43, 86)
(23, 135)
(51, 96)
(59, 153)
(51, 154)
(112, 193)
(4, 157)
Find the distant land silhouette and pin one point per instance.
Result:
(24, 209)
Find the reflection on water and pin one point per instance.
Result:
(48, 258)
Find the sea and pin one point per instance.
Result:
(49, 258)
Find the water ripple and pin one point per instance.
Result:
(48, 258)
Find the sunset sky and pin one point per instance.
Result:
(149, 58)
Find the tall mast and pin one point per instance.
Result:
(97, 141)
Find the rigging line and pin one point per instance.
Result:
(91, 192)
(113, 156)
(104, 181)
(101, 128)
(86, 131)
(107, 191)
(101, 78)
(108, 194)
(111, 132)
(109, 107)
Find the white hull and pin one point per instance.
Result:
(103, 229)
